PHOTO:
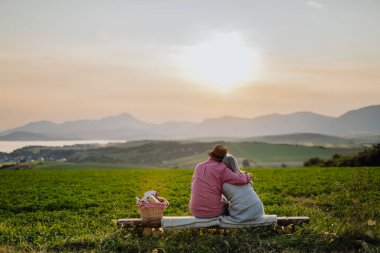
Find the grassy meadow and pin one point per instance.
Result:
(50, 208)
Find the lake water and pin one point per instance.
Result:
(9, 146)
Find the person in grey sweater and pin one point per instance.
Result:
(244, 203)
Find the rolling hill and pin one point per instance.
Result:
(308, 139)
(24, 136)
(177, 154)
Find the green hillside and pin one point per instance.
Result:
(184, 154)
(308, 139)
(187, 154)
(263, 153)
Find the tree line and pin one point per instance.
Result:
(368, 157)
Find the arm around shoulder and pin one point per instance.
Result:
(230, 177)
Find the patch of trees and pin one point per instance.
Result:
(37, 153)
(246, 163)
(368, 157)
(3, 156)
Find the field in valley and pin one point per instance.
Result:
(46, 208)
(179, 154)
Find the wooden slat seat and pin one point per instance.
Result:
(139, 223)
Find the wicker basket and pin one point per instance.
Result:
(152, 211)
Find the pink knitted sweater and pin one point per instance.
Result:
(206, 188)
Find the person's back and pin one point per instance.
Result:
(205, 201)
(244, 203)
(206, 186)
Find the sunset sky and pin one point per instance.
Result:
(163, 60)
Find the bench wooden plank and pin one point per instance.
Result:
(295, 220)
(138, 223)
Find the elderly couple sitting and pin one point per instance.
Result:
(220, 188)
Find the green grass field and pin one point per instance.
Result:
(56, 209)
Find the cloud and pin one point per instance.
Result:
(315, 4)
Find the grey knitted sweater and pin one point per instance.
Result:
(244, 203)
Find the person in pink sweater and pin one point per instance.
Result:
(206, 187)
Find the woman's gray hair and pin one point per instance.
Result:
(231, 163)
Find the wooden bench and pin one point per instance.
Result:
(138, 223)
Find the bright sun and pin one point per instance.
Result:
(222, 61)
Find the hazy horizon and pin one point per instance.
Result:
(186, 61)
(170, 120)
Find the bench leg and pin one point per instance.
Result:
(147, 231)
(152, 231)
(289, 229)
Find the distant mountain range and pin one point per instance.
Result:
(363, 122)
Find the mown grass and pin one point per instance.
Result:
(73, 210)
